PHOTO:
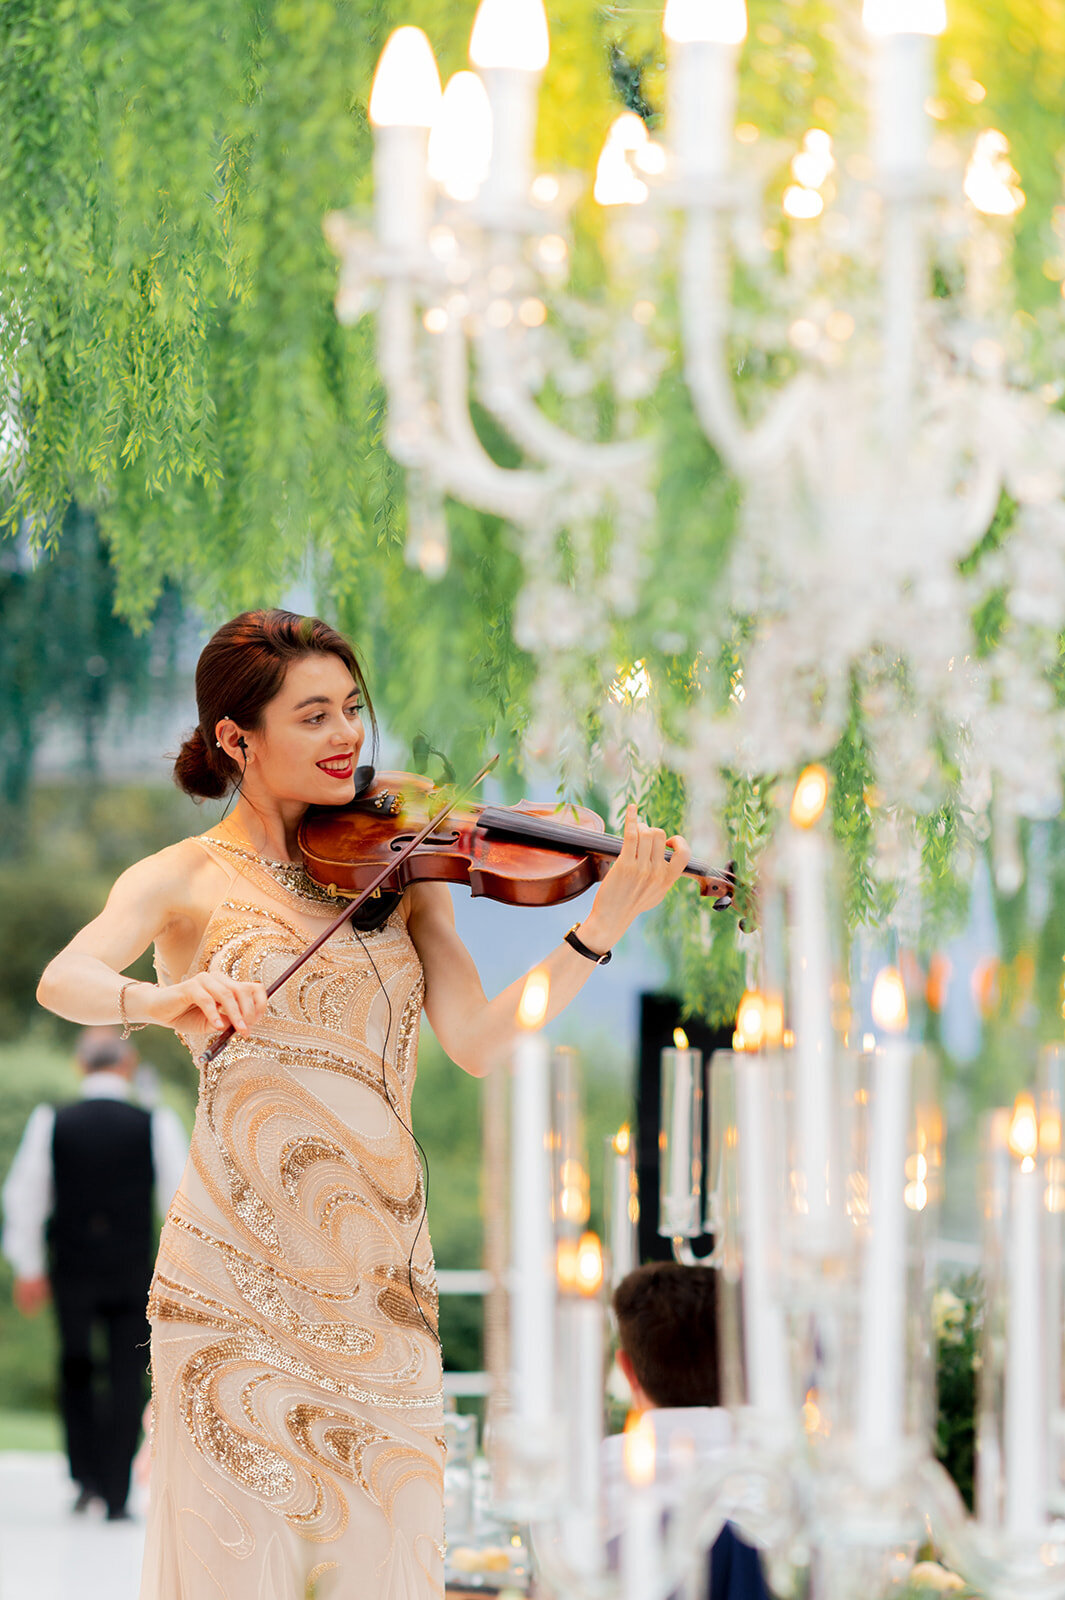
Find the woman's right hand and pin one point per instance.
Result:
(206, 1003)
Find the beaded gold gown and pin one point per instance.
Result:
(297, 1443)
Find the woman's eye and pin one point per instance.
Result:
(356, 709)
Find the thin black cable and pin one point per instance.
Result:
(236, 783)
(405, 1125)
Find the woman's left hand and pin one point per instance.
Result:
(638, 881)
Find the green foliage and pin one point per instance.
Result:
(66, 656)
(958, 1316)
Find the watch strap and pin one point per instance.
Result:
(599, 957)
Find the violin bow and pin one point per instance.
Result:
(353, 906)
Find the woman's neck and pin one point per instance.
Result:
(267, 826)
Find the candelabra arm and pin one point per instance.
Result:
(465, 469)
(440, 439)
(703, 298)
(983, 1556)
(543, 439)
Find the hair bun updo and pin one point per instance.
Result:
(241, 669)
(196, 771)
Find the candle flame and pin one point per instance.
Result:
(406, 85)
(991, 183)
(510, 34)
(810, 797)
(589, 1274)
(622, 1139)
(1023, 1136)
(460, 143)
(534, 999)
(905, 16)
(751, 1020)
(1050, 1131)
(889, 1001)
(811, 1412)
(774, 1020)
(680, 1039)
(616, 184)
(705, 21)
(566, 1264)
(639, 1449)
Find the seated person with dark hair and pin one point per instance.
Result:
(667, 1334)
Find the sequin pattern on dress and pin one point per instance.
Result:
(297, 1423)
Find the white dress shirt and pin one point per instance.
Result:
(29, 1193)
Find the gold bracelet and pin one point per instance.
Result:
(128, 1027)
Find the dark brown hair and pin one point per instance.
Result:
(667, 1326)
(240, 670)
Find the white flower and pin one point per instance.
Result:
(948, 1316)
(929, 1575)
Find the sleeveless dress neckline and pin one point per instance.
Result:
(291, 875)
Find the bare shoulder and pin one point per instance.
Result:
(175, 877)
(428, 904)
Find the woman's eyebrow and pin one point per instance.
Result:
(324, 700)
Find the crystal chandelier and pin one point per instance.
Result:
(874, 431)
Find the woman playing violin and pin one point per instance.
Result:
(297, 1434)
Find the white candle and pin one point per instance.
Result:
(882, 1355)
(704, 38)
(401, 188)
(810, 974)
(582, 1312)
(510, 48)
(621, 1165)
(902, 80)
(702, 107)
(403, 105)
(763, 1327)
(1025, 1397)
(681, 1140)
(532, 1284)
(641, 1538)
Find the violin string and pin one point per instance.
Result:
(406, 1126)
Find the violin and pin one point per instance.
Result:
(530, 854)
(400, 829)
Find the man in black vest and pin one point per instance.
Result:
(84, 1180)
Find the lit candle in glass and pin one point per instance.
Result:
(882, 1382)
(810, 976)
(1025, 1397)
(903, 30)
(532, 1284)
(510, 48)
(623, 1206)
(680, 1140)
(640, 1540)
(580, 1279)
(759, 1021)
(704, 37)
(403, 105)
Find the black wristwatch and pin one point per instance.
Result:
(583, 950)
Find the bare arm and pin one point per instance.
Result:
(83, 982)
(477, 1032)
